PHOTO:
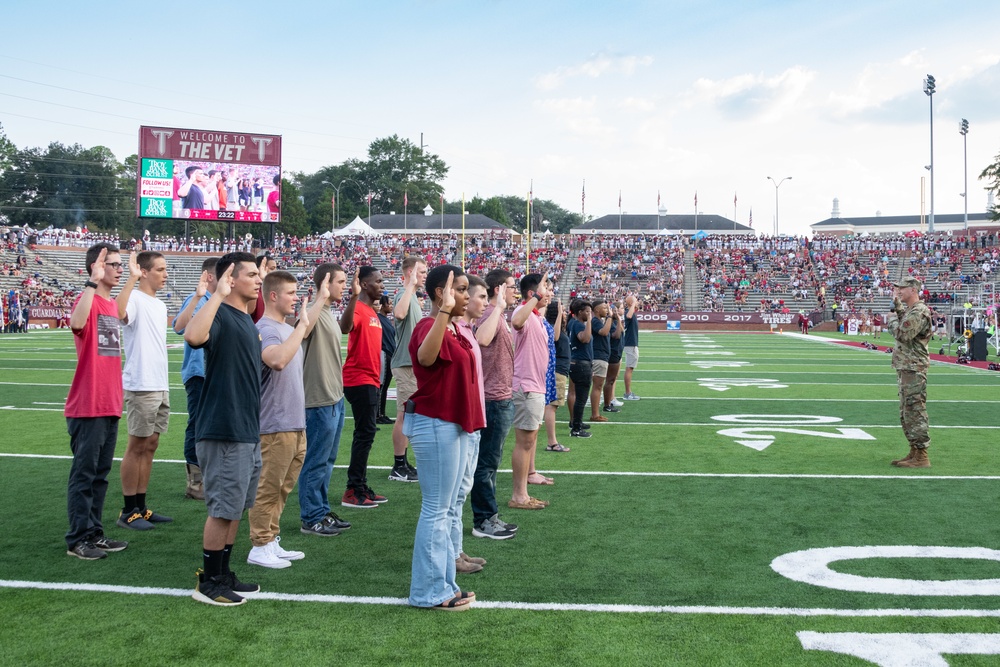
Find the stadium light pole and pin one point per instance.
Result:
(929, 86)
(777, 184)
(963, 129)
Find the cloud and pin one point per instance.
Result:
(755, 97)
(598, 65)
(577, 115)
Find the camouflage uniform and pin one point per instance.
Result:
(912, 330)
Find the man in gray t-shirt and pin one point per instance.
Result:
(406, 311)
(282, 417)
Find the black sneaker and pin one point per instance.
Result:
(107, 544)
(413, 470)
(133, 520)
(86, 551)
(401, 473)
(335, 521)
(577, 433)
(374, 497)
(239, 586)
(152, 517)
(512, 527)
(382, 419)
(215, 591)
(611, 408)
(320, 529)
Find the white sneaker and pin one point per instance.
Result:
(282, 553)
(615, 402)
(265, 557)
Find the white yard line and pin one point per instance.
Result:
(527, 606)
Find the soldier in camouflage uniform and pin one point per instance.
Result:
(912, 330)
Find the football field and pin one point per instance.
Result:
(743, 512)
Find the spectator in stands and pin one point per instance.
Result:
(146, 383)
(94, 404)
(193, 373)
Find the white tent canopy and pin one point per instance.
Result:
(358, 227)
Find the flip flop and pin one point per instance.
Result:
(556, 448)
(546, 481)
(457, 603)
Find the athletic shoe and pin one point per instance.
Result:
(413, 470)
(615, 402)
(374, 497)
(106, 544)
(133, 520)
(284, 553)
(584, 426)
(382, 419)
(577, 433)
(493, 529)
(512, 527)
(86, 551)
(239, 586)
(610, 408)
(631, 397)
(402, 474)
(332, 519)
(265, 557)
(359, 501)
(152, 517)
(215, 591)
(320, 529)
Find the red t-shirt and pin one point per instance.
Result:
(448, 389)
(97, 382)
(364, 348)
(272, 201)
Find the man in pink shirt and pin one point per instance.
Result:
(531, 360)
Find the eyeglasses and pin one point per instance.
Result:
(114, 265)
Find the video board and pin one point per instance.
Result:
(208, 175)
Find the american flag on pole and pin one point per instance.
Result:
(734, 199)
(751, 217)
(619, 200)
(696, 199)
(406, 199)
(657, 199)
(583, 194)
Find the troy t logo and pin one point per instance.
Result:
(161, 140)
(262, 143)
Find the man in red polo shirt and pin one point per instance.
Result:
(362, 383)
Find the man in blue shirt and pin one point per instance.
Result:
(193, 373)
(630, 343)
(581, 355)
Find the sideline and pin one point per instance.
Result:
(529, 606)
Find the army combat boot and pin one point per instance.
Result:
(919, 460)
(905, 458)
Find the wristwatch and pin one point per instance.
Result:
(90, 283)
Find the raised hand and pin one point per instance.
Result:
(225, 286)
(501, 295)
(202, 288)
(134, 271)
(262, 267)
(412, 280)
(448, 294)
(324, 289)
(304, 308)
(356, 283)
(97, 270)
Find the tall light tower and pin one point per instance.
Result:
(963, 129)
(777, 184)
(929, 91)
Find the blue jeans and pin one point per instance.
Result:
(193, 390)
(499, 417)
(323, 428)
(468, 471)
(441, 450)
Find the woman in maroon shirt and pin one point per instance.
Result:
(439, 431)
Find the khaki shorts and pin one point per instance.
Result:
(529, 410)
(406, 385)
(147, 412)
(600, 369)
(562, 381)
(631, 356)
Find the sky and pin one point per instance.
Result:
(644, 100)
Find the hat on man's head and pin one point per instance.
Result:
(908, 282)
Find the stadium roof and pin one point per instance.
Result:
(646, 224)
(903, 223)
(432, 224)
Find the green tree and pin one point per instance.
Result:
(992, 175)
(294, 219)
(7, 150)
(397, 168)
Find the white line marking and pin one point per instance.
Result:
(529, 606)
(620, 473)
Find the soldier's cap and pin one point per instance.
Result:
(908, 282)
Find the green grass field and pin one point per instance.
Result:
(657, 548)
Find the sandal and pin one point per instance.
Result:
(530, 504)
(545, 481)
(457, 603)
(543, 503)
(556, 448)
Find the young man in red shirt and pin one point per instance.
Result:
(362, 383)
(94, 404)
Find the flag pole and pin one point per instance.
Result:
(463, 231)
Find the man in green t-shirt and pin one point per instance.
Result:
(406, 310)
